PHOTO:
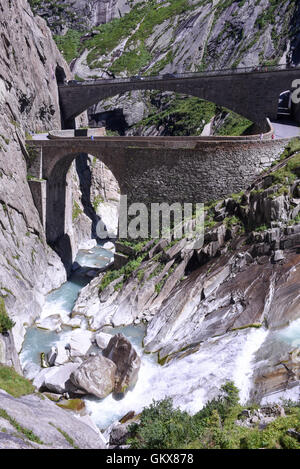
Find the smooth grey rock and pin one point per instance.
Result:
(95, 376)
(46, 420)
(55, 379)
(80, 342)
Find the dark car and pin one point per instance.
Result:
(73, 82)
(136, 77)
(169, 75)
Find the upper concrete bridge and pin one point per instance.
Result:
(252, 92)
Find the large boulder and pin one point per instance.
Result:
(56, 379)
(96, 376)
(128, 363)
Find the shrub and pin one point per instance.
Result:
(161, 427)
(5, 322)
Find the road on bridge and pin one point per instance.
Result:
(285, 128)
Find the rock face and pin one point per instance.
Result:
(30, 66)
(80, 14)
(53, 426)
(186, 38)
(102, 340)
(127, 361)
(29, 61)
(96, 195)
(119, 434)
(95, 376)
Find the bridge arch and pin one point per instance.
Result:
(59, 201)
(252, 94)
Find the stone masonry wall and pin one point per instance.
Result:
(209, 173)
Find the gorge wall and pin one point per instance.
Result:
(29, 102)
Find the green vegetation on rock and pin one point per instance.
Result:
(5, 322)
(137, 26)
(234, 124)
(24, 431)
(184, 116)
(289, 173)
(13, 383)
(69, 44)
(164, 427)
(65, 435)
(76, 211)
(97, 201)
(125, 271)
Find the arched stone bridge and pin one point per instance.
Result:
(148, 170)
(251, 92)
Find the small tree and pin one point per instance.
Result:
(5, 322)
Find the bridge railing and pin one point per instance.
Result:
(175, 76)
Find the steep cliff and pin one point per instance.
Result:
(79, 14)
(29, 60)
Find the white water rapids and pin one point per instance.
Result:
(190, 381)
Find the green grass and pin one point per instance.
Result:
(97, 201)
(126, 270)
(138, 25)
(234, 125)
(292, 147)
(25, 431)
(65, 435)
(132, 61)
(13, 383)
(69, 44)
(289, 173)
(261, 228)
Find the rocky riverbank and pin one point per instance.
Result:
(245, 278)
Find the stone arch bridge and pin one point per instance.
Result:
(148, 170)
(251, 92)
